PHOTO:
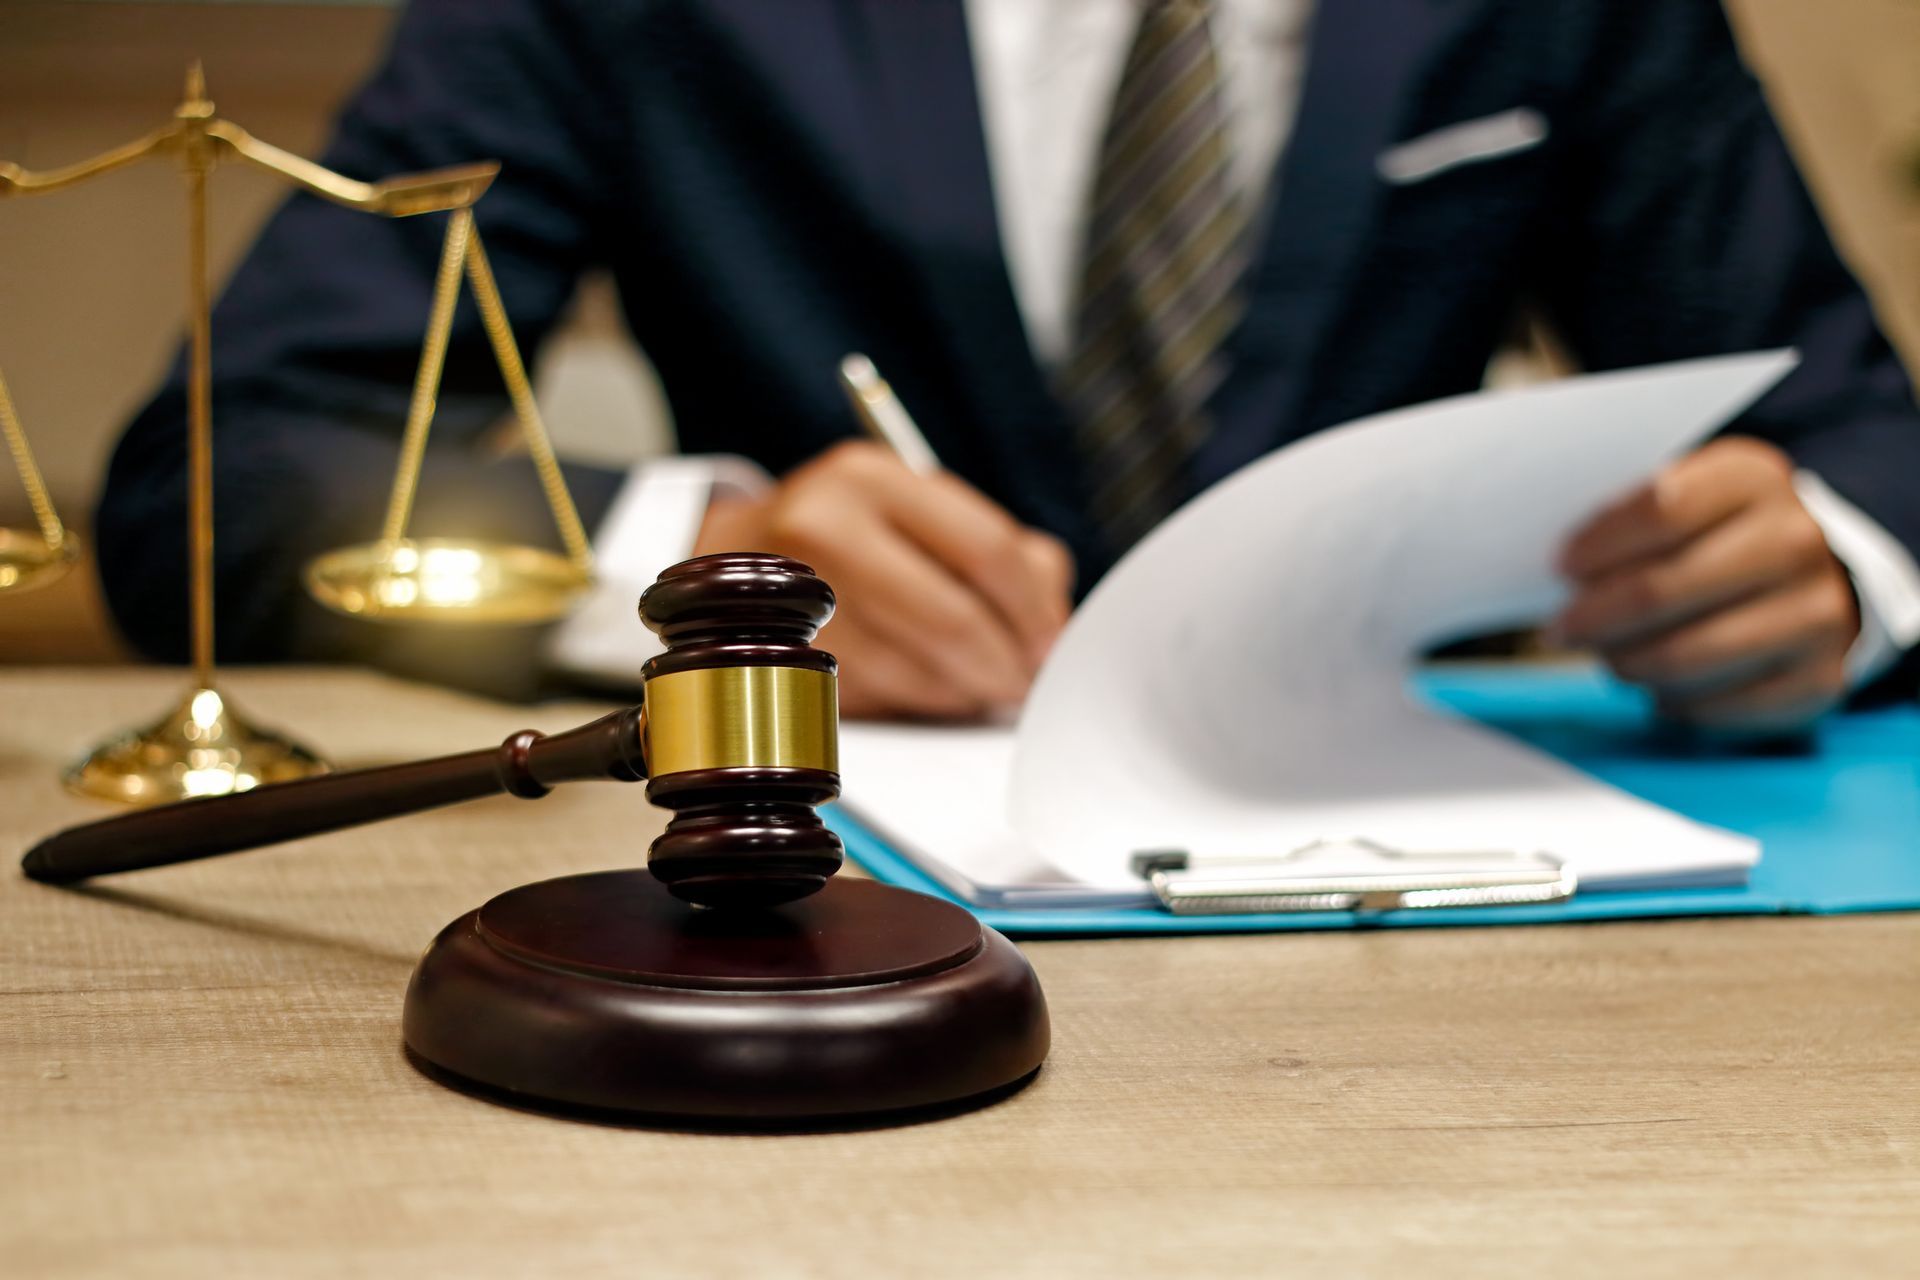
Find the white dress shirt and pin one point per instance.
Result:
(1046, 72)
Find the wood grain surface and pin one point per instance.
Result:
(201, 1074)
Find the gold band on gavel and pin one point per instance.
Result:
(733, 717)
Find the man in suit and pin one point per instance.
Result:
(1107, 251)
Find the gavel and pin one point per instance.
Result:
(736, 736)
(735, 978)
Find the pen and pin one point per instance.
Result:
(884, 417)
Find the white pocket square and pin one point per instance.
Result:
(1469, 142)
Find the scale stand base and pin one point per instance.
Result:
(203, 747)
(604, 992)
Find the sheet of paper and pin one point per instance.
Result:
(939, 795)
(1239, 683)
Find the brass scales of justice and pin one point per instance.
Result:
(203, 746)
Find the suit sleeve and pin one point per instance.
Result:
(1684, 229)
(317, 338)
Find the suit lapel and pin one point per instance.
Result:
(918, 70)
(996, 409)
(1362, 58)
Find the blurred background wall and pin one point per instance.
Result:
(91, 280)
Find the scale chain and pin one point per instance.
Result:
(51, 530)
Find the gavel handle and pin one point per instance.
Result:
(527, 764)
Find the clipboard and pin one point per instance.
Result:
(1837, 813)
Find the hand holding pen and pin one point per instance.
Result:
(948, 603)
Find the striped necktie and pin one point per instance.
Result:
(1160, 269)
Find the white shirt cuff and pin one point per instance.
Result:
(653, 523)
(1886, 579)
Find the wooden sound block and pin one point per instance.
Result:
(605, 991)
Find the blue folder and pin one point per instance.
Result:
(1837, 814)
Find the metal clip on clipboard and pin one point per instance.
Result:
(1347, 880)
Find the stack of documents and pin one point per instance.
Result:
(1238, 687)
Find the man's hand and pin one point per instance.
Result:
(1713, 586)
(947, 603)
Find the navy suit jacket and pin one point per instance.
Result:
(773, 183)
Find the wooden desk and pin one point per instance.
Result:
(200, 1073)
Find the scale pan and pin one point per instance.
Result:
(447, 582)
(26, 561)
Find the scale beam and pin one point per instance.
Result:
(195, 126)
(438, 191)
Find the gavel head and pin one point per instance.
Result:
(742, 730)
